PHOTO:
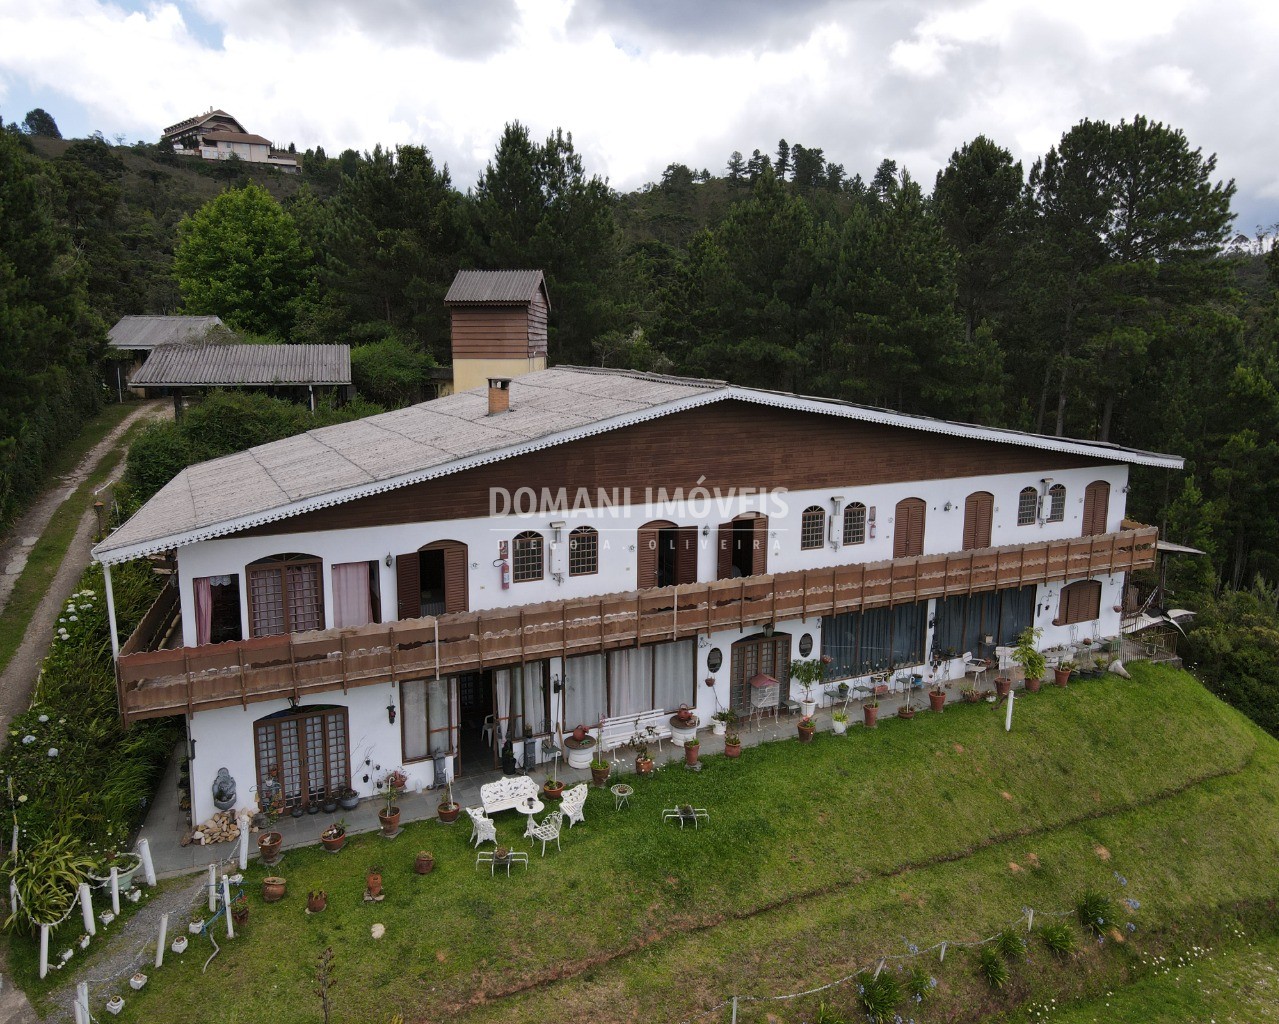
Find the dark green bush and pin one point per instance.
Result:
(878, 995)
(992, 968)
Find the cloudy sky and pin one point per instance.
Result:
(643, 83)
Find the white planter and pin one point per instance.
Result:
(808, 707)
(137, 981)
(195, 927)
(681, 734)
(838, 728)
(720, 727)
(580, 758)
(114, 1005)
(179, 945)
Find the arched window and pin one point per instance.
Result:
(286, 594)
(1056, 503)
(1027, 506)
(583, 551)
(526, 557)
(812, 531)
(855, 523)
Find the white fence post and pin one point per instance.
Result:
(86, 908)
(226, 903)
(159, 946)
(244, 842)
(115, 891)
(44, 950)
(1008, 718)
(148, 865)
(213, 888)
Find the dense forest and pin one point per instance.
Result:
(1101, 292)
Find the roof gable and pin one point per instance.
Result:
(195, 365)
(496, 288)
(146, 332)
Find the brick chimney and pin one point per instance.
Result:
(499, 395)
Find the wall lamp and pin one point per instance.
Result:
(388, 559)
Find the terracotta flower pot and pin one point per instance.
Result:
(732, 750)
(333, 843)
(644, 766)
(1002, 686)
(600, 775)
(272, 889)
(425, 863)
(806, 733)
(691, 750)
(269, 844)
(871, 716)
(907, 713)
(374, 882)
(317, 900)
(971, 696)
(240, 916)
(936, 700)
(447, 812)
(1033, 685)
(1061, 676)
(390, 821)
(551, 790)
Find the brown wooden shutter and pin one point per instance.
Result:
(978, 513)
(686, 555)
(908, 528)
(646, 560)
(759, 553)
(724, 552)
(456, 598)
(1096, 507)
(408, 585)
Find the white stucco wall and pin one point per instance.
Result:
(618, 538)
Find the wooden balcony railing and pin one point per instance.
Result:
(167, 682)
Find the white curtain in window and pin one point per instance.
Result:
(674, 666)
(413, 708)
(351, 599)
(534, 700)
(630, 681)
(203, 609)
(437, 712)
(584, 696)
(502, 688)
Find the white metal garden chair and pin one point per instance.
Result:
(547, 829)
(483, 830)
(573, 803)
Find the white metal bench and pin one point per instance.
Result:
(507, 794)
(650, 726)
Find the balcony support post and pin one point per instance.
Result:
(115, 631)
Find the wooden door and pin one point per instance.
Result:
(908, 528)
(978, 512)
(686, 554)
(456, 596)
(408, 585)
(1096, 508)
(646, 556)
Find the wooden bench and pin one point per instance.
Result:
(651, 726)
(507, 794)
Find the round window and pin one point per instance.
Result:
(806, 644)
(714, 659)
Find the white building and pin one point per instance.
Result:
(579, 544)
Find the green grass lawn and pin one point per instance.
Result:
(818, 860)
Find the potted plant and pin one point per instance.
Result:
(732, 745)
(390, 816)
(870, 712)
(373, 881)
(1027, 655)
(553, 788)
(599, 770)
(839, 722)
(240, 910)
(424, 863)
(643, 763)
(843, 690)
(348, 799)
(969, 693)
(806, 729)
(269, 844)
(691, 749)
(808, 672)
(449, 809)
(907, 682)
(316, 900)
(1061, 674)
(936, 696)
(398, 778)
(126, 866)
(501, 855)
(721, 720)
(906, 711)
(273, 888)
(333, 838)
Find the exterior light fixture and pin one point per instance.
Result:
(947, 507)
(388, 559)
(390, 712)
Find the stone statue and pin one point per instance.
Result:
(223, 790)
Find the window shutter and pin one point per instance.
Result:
(908, 532)
(759, 554)
(978, 510)
(686, 555)
(646, 563)
(724, 552)
(1096, 507)
(456, 598)
(408, 585)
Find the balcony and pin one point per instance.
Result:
(156, 683)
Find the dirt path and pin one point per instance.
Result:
(19, 675)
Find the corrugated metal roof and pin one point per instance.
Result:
(347, 461)
(194, 365)
(495, 287)
(146, 332)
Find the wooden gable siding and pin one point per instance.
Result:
(492, 332)
(537, 317)
(739, 444)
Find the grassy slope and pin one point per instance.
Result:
(818, 859)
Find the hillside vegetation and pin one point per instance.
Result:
(818, 861)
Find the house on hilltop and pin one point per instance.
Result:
(574, 546)
(216, 135)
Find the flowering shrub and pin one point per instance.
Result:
(71, 771)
